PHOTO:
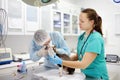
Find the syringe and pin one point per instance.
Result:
(51, 52)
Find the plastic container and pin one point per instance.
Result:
(22, 67)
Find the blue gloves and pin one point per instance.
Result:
(55, 60)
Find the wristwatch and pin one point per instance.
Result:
(116, 1)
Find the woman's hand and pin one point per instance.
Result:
(55, 60)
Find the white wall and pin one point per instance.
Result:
(18, 43)
(68, 7)
(21, 43)
(107, 10)
(72, 42)
(1, 4)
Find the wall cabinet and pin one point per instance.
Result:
(25, 20)
(22, 19)
(75, 24)
(32, 19)
(66, 23)
(15, 10)
(56, 20)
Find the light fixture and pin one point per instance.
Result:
(39, 3)
(45, 1)
(116, 1)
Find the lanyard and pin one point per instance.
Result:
(84, 45)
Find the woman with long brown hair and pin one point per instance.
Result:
(90, 48)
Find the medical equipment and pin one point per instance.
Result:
(5, 53)
(39, 3)
(22, 56)
(112, 58)
(5, 56)
(3, 26)
(116, 1)
(81, 55)
(51, 52)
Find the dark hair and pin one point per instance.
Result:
(92, 15)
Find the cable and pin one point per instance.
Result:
(3, 26)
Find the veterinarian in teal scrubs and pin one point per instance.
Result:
(94, 44)
(90, 48)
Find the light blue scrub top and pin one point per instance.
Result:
(95, 44)
(57, 40)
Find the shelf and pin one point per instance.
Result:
(57, 26)
(71, 34)
(60, 21)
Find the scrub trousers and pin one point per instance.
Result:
(92, 78)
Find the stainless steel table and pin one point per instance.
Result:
(43, 73)
(39, 72)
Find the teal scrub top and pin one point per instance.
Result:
(95, 44)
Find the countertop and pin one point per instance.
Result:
(40, 71)
(13, 64)
(36, 72)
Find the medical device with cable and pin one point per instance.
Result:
(5, 53)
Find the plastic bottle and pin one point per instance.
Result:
(22, 67)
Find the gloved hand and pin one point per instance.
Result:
(42, 52)
(55, 60)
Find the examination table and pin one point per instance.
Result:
(53, 74)
(43, 73)
(38, 72)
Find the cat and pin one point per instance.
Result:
(69, 70)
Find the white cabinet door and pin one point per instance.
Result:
(46, 18)
(15, 17)
(57, 21)
(32, 19)
(66, 23)
(75, 25)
